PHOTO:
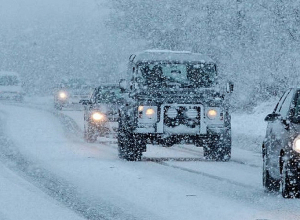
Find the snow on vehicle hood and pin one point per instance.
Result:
(107, 108)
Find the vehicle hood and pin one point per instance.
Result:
(181, 96)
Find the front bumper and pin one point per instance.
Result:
(212, 136)
(104, 127)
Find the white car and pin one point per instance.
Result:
(11, 86)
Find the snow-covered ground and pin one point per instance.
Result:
(49, 172)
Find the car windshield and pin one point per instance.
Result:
(108, 95)
(296, 112)
(183, 74)
(76, 84)
(9, 81)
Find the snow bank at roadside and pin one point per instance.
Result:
(248, 130)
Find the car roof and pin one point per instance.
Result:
(168, 55)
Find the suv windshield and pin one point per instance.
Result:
(74, 84)
(108, 95)
(9, 81)
(183, 74)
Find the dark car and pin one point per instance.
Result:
(281, 147)
(174, 97)
(101, 112)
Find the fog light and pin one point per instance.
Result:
(172, 112)
(192, 113)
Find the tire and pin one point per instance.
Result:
(89, 134)
(219, 149)
(270, 184)
(129, 146)
(289, 188)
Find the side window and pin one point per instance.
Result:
(285, 107)
(296, 105)
(279, 104)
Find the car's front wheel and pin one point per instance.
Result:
(289, 188)
(89, 134)
(270, 184)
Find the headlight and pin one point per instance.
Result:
(150, 112)
(212, 114)
(296, 144)
(96, 116)
(147, 112)
(62, 95)
(172, 112)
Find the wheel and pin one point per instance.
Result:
(270, 184)
(289, 187)
(219, 149)
(89, 134)
(129, 146)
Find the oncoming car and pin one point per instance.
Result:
(11, 86)
(101, 112)
(70, 92)
(174, 97)
(281, 147)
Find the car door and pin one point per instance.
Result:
(278, 132)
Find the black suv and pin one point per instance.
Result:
(281, 147)
(101, 112)
(174, 97)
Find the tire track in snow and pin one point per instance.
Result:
(187, 150)
(214, 177)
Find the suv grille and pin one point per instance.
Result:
(182, 115)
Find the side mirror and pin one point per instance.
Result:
(84, 102)
(123, 84)
(286, 123)
(272, 117)
(229, 87)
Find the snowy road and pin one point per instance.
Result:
(47, 171)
